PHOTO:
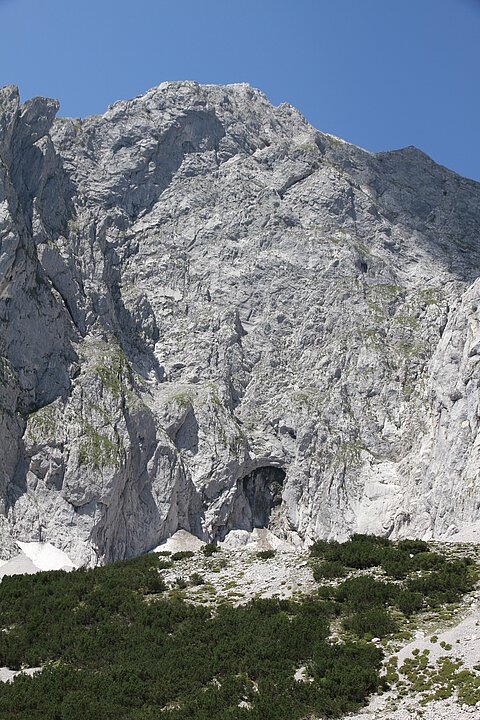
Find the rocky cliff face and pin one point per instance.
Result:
(215, 317)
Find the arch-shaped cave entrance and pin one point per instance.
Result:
(256, 502)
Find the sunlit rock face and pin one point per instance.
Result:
(214, 317)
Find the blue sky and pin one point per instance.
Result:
(380, 73)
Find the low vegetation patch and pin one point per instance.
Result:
(210, 549)
(328, 569)
(113, 644)
(438, 681)
(181, 555)
(418, 577)
(197, 579)
(266, 554)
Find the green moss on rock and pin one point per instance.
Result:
(98, 449)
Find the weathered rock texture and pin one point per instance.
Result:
(213, 316)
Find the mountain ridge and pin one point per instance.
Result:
(216, 317)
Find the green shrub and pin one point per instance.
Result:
(360, 552)
(326, 592)
(181, 555)
(209, 549)
(266, 554)
(328, 569)
(347, 673)
(377, 540)
(413, 546)
(362, 592)
(396, 563)
(155, 583)
(320, 547)
(409, 602)
(373, 622)
(428, 561)
(112, 646)
(108, 650)
(446, 584)
(196, 579)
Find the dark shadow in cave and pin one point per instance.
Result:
(257, 495)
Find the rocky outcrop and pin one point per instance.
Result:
(213, 317)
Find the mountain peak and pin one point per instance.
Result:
(215, 318)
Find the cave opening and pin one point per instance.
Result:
(257, 500)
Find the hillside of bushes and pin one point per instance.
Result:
(114, 642)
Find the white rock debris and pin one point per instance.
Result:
(35, 557)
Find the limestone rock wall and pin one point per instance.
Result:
(207, 306)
